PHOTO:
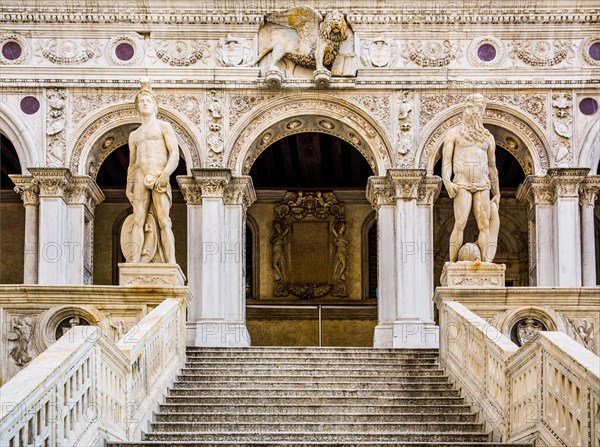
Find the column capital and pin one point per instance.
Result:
(537, 190)
(565, 181)
(192, 193)
(27, 187)
(83, 190)
(380, 192)
(588, 190)
(53, 182)
(429, 190)
(212, 182)
(240, 191)
(406, 182)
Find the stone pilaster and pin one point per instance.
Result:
(588, 193)
(29, 190)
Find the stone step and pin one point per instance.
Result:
(314, 357)
(308, 350)
(314, 417)
(189, 382)
(430, 377)
(392, 362)
(317, 393)
(320, 409)
(221, 399)
(340, 437)
(310, 444)
(365, 370)
(320, 427)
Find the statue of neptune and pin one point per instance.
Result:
(154, 155)
(469, 173)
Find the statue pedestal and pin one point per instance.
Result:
(322, 78)
(150, 275)
(473, 274)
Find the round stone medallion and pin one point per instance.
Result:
(30, 105)
(588, 106)
(11, 50)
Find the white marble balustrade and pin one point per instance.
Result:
(85, 388)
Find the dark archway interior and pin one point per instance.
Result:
(310, 161)
(113, 171)
(9, 163)
(510, 172)
(598, 169)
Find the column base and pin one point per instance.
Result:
(472, 274)
(220, 333)
(383, 336)
(150, 274)
(415, 335)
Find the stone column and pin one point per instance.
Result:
(588, 193)
(567, 230)
(193, 196)
(381, 195)
(29, 191)
(537, 191)
(239, 195)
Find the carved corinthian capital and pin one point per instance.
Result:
(429, 190)
(212, 181)
(566, 180)
(536, 190)
(27, 187)
(406, 182)
(53, 182)
(588, 190)
(83, 190)
(192, 193)
(240, 191)
(380, 192)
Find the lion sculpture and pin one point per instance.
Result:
(313, 42)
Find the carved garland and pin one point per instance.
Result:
(435, 138)
(127, 112)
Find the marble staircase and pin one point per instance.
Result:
(314, 396)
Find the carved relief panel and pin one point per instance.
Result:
(309, 246)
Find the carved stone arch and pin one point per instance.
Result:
(294, 114)
(532, 156)
(22, 139)
(111, 118)
(589, 154)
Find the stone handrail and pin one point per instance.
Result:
(547, 391)
(85, 388)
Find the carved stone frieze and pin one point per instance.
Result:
(21, 331)
(405, 130)
(182, 53)
(212, 182)
(28, 188)
(67, 51)
(566, 181)
(562, 120)
(214, 123)
(192, 193)
(240, 104)
(189, 105)
(240, 191)
(542, 53)
(377, 105)
(434, 53)
(232, 51)
(22, 42)
(583, 332)
(56, 121)
(379, 52)
(128, 112)
(86, 102)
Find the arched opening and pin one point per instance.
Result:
(12, 242)
(309, 217)
(109, 216)
(512, 239)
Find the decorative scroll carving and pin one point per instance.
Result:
(542, 53)
(67, 51)
(192, 193)
(432, 53)
(313, 207)
(20, 334)
(240, 104)
(379, 52)
(566, 181)
(240, 191)
(55, 126)
(181, 53)
(28, 188)
(380, 191)
(378, 105)
(562, 121)
(212, 182)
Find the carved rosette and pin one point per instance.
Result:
(434, 53)
(562, 103)
(212, 182)
(536, 190)
(182, 53)
(27, 187)
(542, 53)
(429, 190)
(406, 182)
(192, 193)
(588, 191)
(56, 120)
(240, 191)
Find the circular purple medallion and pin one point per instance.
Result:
(594, 51)
(11, 50)
(588, 106)
(124, 51)
(486, 52)
(30, 105)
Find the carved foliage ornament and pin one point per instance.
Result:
(182, 53)
(562, 103)
(435, 53)
(20, 333)
(542, 53)
(67, 51)
(55, 126)
(214, 123)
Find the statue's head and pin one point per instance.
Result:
(475, 103)
(145, 98)
(335, 25)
